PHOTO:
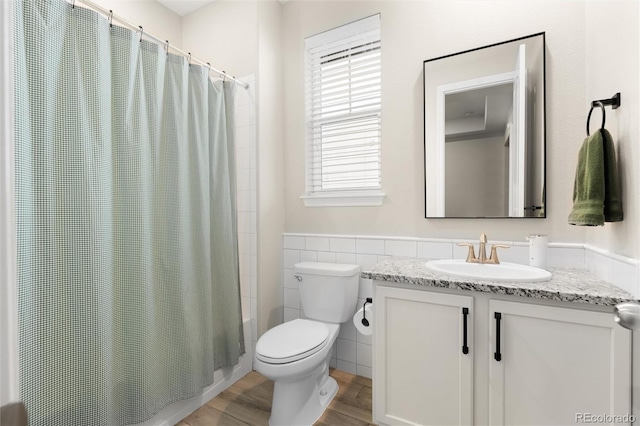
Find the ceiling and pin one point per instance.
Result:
(184, 7)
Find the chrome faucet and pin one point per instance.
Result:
(482, 251)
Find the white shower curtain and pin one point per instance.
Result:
(128, 278)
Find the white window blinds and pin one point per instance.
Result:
(343, 94)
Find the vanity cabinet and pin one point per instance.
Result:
(423, 358)
(534, 364)
(550, 364)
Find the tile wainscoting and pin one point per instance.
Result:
(352, 351)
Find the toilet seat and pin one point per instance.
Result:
(292, 341)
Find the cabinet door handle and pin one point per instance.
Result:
(465, 314)
(497, 355)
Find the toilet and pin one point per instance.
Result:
(296, 354)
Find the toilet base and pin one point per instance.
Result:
(302, 402)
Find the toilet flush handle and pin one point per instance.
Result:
(298, 277)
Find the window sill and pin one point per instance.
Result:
(344, 199)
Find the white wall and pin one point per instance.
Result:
(613, 65)
(475, 174)
(224, 33)
(270, 165)
(412, 32)
(151, 15)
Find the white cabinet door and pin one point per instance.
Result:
(422, 374)
(549, 366)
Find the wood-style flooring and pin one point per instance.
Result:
(248, 402)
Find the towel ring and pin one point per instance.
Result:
(601, 105)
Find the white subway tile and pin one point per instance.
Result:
(244, 222)
(245, 136)
(514, 254)
(600, 265)
(253, 222)
(291, 257)
(254, 330)
(346, 258)
(561, 257)
(246, 307)
(242, 182)
(245, 115)
(433, 250)
(244, 242)
(381, 258)
(308, 256)
(347, 331)
(626, 277)
(364, 355)
(243, 200)
(245, 264)
(369, 246)
(326, 256)
(365, 290)
(254, 308)
(367, 340)
(254, 265)
(290, 280)
(254, 244)
(243, 158)
(291, 298)
(253, 200)
(346, 350)
(344, 245)
(245, 286)
(461, 252)
(401, 248)
(252, 179)
(366, 261)
(290, 314)
(317, 243)
(347, 367)
(363, 371)
(291, 242)
(254, 287)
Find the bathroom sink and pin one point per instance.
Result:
(505, 272)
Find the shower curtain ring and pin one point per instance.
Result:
(73, 4)
(209, 70)
(189, 59)
(141, 32)
(166, 46)
(224, 76)
(110, 18)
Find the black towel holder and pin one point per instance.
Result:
(614, 102)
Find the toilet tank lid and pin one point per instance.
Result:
(328, 269)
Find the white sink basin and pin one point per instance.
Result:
(504, 272)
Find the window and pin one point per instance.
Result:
(343, 93)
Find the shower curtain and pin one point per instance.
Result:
(127, 237)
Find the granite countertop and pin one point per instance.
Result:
(566, 285)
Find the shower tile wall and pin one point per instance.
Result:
(352, 351)
(246, 187)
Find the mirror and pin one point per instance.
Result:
(484, 131)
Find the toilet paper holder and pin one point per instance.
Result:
(365, 321)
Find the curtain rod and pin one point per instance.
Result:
(111, 16)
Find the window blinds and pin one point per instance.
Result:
(343, 94)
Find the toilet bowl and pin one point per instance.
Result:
(296, 354)
(303, 388)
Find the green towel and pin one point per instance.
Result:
(596, 191)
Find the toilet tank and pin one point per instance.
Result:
(328, 291)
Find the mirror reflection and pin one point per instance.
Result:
(484, 131)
